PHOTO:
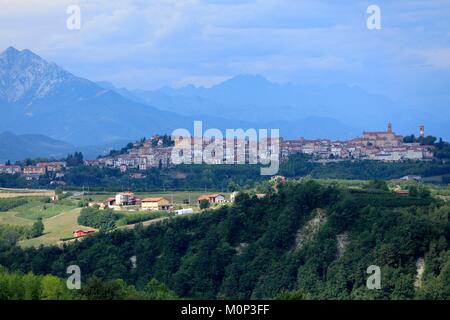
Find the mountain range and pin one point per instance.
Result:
(40, 98)
(17, 147)
(312, 111)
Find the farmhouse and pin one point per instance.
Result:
(81, 233)
(125, 199)
(155, 204)
(212, 198)
(401, 192)
(110, 202)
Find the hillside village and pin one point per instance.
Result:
(379, 146)
(156, 153)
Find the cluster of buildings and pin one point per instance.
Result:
(379, 145)
(129, 201)
(143, 156)
(154, 153)
(36, 171)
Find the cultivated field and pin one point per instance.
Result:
(14, 193)
(60, 218)
(56, 228)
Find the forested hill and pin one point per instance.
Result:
(304, 241)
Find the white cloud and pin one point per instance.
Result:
(146, 43)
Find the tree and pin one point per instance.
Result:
(37, 229)
(232, 186)
(74, 160)
(204, 204)
(156, 290)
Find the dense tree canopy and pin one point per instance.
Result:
(306, 241)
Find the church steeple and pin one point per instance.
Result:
(389, 129)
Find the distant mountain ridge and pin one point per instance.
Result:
(18, 147)
(256, 99)
(37, 96)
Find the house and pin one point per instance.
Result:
(10, 169)
(110, 202)
(54, 166)
(155, 204)
(411, 178)
(184, 211)
(212, 198)
(34, 171)
(401, 192)
(91, 163)
(81, 233)
(125, 199)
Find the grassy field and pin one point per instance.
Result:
(14, 193)
(56, 228)
(10, 217)
(36, 208)
(60, 219)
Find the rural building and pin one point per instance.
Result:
(411, 178)
(401, 192)
(212, 198)
(110, 202)
(10, 169)
(81, 233)
(125, 199)
(34, 170)
(54, 166)
(184, 211)
(155, 204)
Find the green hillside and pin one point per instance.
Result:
(307, 241)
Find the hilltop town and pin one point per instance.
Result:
(157, 151)
(379, 146)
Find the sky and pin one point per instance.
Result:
(155, 43)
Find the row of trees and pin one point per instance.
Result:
(11, 234)
(18, 286)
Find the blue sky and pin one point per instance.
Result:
(154, 43)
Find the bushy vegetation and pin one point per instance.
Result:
(108, 219)
(131, 218)
(99, 219)
(11, 203)
(226, 177)
(252, 249)
(19, 286)
(11, 234)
